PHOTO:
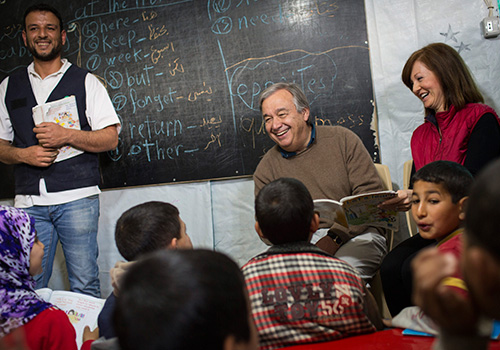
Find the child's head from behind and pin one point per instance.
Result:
(440, 191)
(148, 227)
(284, 212)
(186, 299)
(21, 251)
(481, 256)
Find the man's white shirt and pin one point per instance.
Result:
(100, 113)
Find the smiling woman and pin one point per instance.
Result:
(426, 86)
(458, 127)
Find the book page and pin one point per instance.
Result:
(82, 310)
(45, 293)
(363, 210)
(63, 112)
(330, 212)
(382, 195)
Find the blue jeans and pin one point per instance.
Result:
(75, 225)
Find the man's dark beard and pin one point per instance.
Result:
(56, 51)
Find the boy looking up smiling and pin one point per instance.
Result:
(440, 191)
(439, 194)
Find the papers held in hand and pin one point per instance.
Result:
(82, 310)
(63, 112)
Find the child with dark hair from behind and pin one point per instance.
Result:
(142, 229)
(298, 293)
(184, 300)
(440, 192)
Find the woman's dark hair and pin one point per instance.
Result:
(450, 69)
(182, 299)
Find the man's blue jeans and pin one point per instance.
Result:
(75, 225)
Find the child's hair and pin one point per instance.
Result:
(455, 178)
(284, 210)
(145, 228)
(482, 218)
(182, 299)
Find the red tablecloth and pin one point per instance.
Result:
(387, 339)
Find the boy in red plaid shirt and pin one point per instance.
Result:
(300, 294)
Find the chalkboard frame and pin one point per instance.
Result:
(191, 72)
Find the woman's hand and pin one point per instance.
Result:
(402, 202)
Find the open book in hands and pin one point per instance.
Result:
(63, 112)
(361, 209)
(82, 310)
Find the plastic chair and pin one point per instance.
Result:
(412, 226)
(376, 282)
(385, 176)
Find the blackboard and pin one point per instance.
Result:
(185, 76)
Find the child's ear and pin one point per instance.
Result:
(230, 343)
(261, 234)
(173, 244)
(314, 223)
(462, 204)
(258, 230)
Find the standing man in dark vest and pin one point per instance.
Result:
(62, 196)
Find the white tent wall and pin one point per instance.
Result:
(398, 28)
(219, 214)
